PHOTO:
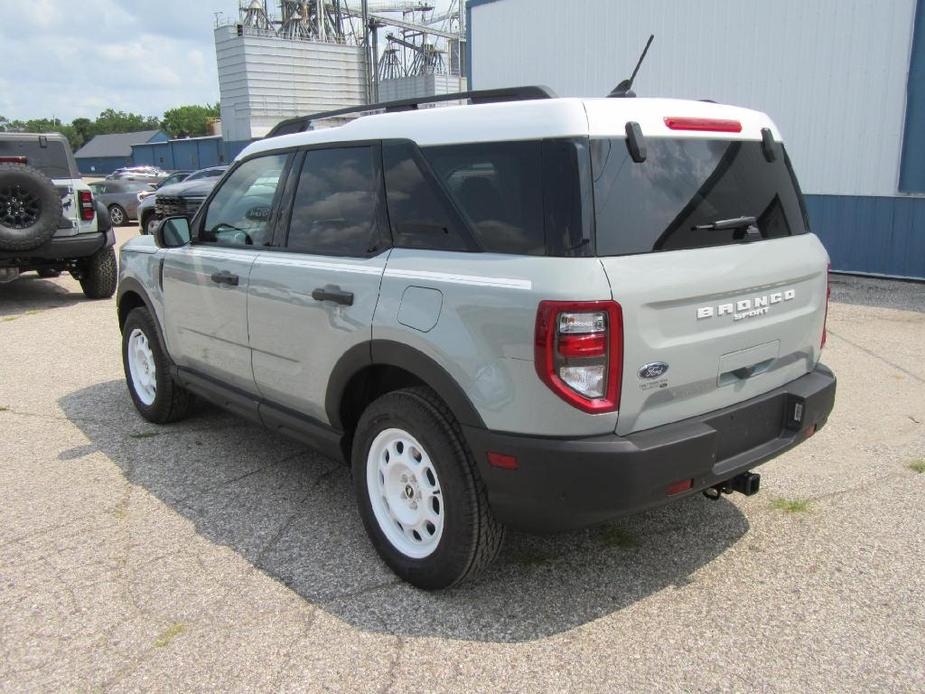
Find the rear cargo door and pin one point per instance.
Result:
(723, 289)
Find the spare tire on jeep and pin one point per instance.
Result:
(30, 208)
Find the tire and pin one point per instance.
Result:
(149, 223)
(98, 274)
(30, 208)
(48, 274)
(118, 215)
(166, 401)
(408, 451)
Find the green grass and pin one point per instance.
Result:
(614, 536)
(144, 434)
(917, 465)
(169, 634)
(3, 408)
(9, 318)
(791, 505)
(32, 311)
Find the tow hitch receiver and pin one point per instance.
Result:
(746, 483)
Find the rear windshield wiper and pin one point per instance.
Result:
(734, 223)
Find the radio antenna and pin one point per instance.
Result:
(625, 88)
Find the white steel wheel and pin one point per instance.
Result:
(142, 367)
(404, 493)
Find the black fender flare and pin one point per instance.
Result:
(400, 355)
(130, 284)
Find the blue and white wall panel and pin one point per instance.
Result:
(833, 74)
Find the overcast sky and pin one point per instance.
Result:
(71, 58)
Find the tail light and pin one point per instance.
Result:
(14, 160)
(828, 293)
(579, 352)
(85, 198)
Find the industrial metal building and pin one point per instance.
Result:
(289, 58)
(843, 79)
(105, 153)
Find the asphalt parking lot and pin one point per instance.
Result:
(212, 554)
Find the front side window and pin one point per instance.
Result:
(240, 212)
(336, 206)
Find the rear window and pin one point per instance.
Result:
(683, 184)
(51, 160)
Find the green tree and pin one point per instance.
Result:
(112, 121)
(84, 130)
(189, 121)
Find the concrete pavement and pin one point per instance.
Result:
(213, 554)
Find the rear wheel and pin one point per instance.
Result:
(99, 274)
(117, 215)
(157, 397)
(421, 499)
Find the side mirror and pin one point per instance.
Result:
(172, 232)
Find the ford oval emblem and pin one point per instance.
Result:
(653, 370)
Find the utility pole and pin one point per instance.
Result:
(364, 17)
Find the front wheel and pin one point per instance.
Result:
(149, 224)
(420, 496)
(147, 371)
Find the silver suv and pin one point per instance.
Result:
(521, 312)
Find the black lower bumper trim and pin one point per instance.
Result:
(563, 484)
(63, 248)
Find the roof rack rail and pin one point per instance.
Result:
(484, 96)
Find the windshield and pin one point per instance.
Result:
(673, 199)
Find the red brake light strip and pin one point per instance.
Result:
(703, 124)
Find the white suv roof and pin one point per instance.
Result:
(528, 120)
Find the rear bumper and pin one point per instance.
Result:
(563, 484)
(64, 247)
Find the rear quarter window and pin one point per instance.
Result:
(498, 186)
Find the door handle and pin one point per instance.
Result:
(333, 293)
(225, 277)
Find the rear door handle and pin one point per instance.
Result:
(225, 277)
(333, 293)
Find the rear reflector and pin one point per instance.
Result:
(505, 462)
(13, 160)
(711, 124)
(678, 487)
(828, 294)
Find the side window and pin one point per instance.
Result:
(419, 217)
(336, 206)
(239, 214)
(499, 188)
